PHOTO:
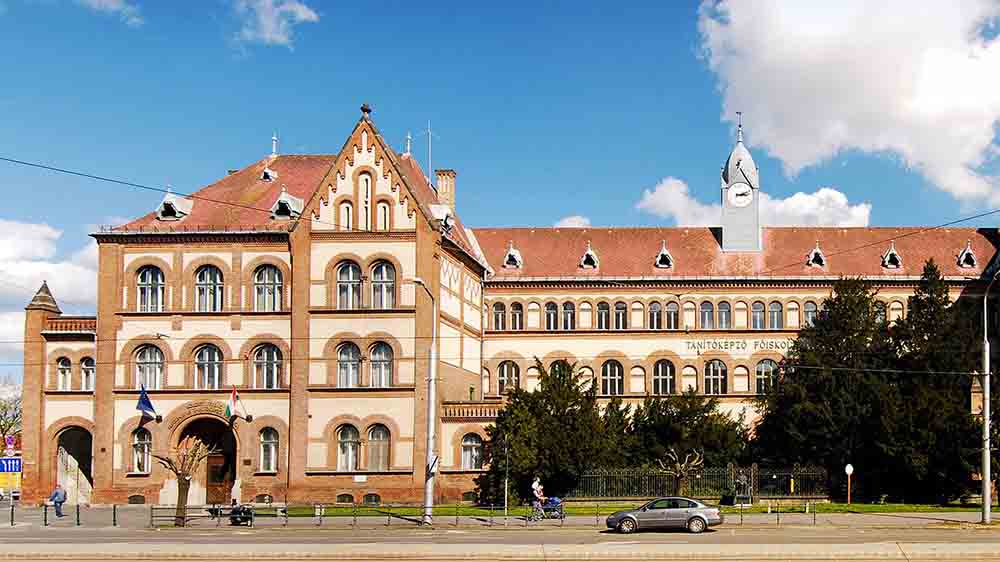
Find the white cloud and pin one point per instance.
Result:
(128, 12)
(573, 221)
(28, 256)
(916, 79)
(271, 22)
(672, 199)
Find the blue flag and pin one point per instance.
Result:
(145, 405)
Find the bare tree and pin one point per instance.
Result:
(183, 462)
(10, 418)
(681, 469)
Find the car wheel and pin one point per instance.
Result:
(626, 526)
(696, 525)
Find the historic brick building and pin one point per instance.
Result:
(316, 284)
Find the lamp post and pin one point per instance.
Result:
(987, 483)
(431, 412)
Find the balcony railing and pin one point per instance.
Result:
(478, 411)
(79, 324)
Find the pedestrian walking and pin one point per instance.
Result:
(58, 498)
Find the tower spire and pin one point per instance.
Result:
(739, 126)
(409, 141)
(274, 144)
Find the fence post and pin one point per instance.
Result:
(778, 513)
(354, 510)
(814, 515)
(286, 511)
(319, 514)
(77, 514)
(491, 515)
(456, 514)
(388, 518)
(527, 515)
(114, 515)
(45, 515)
(597, 514)
(253, 517)
(217, 508)
(150, 516)
(562, 514)
(12, 510)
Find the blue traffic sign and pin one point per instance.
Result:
(10, 464)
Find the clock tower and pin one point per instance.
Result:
(740, 199)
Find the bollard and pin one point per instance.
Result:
(12, 511)
(597, 515)
(562, 515)
(114, 515)
(218, 514)
(741, 513)
(253, 516)
(491, 515)
(777, 512)
(354, 510)
(527, 515)
(286, 514)
(45, 515)
(151, 517)
(457, 506)
(388, 517)
(814, 515)
(319, 515)
(77, 515)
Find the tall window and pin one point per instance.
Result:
(208, 368)
(382, 216)
(568, 316)
(88, 373)
(378, 448)
(208, 289)
(715, 377)
(707, 316)
(348, 286)
(664, 377)
(880, 315)
(775, 317)
(267, 367)
(612, 378)
(383, 285)
(809, 312)
(603, 316)
(757, 315)
(551, 316)
(516, 316)
(508, 376)
(500, 316)
(267, 289)
(346, 215)
(381, 366)
(673, 316)
(64, 374)
(725, 316)
(621, 316)
(767, 375)
(148, 367)
(348, 365)
(366, 197)
(655, 316)
(142, 446)
(150, 284)
(268, 450)
(348, 445)
(559, 366)
(472, 452)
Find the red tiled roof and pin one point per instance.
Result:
(630, 252)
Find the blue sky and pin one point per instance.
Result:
(619, 114)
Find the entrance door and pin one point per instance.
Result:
(73, 460)
(218, 486)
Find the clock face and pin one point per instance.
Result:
(740, 195)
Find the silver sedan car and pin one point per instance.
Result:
(661, 513)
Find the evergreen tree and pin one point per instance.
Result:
(685, 423)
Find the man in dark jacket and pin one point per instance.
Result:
(58, 498)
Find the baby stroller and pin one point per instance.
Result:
(552, 508)
(241, 515)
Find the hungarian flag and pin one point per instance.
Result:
(231, 407)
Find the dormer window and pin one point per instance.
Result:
(816, 257)
(663, 259)
(512, 259)
(891, 258)
(967, 259)
(268, 175)
(590, 259)
(287, 206)
(174, 208)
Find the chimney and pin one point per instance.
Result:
(446, 187)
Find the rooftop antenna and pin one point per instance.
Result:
(274, 144)
(739, 126)
(430, 162)
(409, 141)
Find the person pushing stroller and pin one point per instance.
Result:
(544, 507)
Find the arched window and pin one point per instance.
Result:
(707, 316)
(383, 285)
(348, 365)
(612, 378)
(673, 316)
(142, 446)
(208, 368)
(381, 366)
(603, 316)
(88, 374)
(664, 377)
(267, 367)
(346, 216)
(568, 316)
(716, 377)
(551, 316)
(382, 216)
(655, 316)
(64, 374)
(621, 316)
(499, 316)
(472, 452)
(880, 315)
(208, 289)
(345, 498)
(372, 499)
(809, 313)
(366, 197)
(148, 367)
(348, 448)
(775, 316)
(767, 375)
(559, 366)
(516, 316)
(378, 448)
(267, 289)
(508, 377)
(757, 316)
(725, 316)
(150, 284)
(268, 450)
(348, 286)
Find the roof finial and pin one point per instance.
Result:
(739, 126)
(366, 111)
(274, 144)
(409, 141)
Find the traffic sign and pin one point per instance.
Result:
(10, 464)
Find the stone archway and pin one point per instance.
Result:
(74, 464)
(215, 481)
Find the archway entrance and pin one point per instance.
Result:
(219, 472)
(74, 462)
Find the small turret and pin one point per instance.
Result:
(43, 300)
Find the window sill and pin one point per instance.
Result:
(335, 472)
(463, 470)
(361, 389)
(221, 391)
(266, 473)
(70, 392)
(136, 474)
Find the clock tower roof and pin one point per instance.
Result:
(740, 167)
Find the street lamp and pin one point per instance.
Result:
(431, 411)
(987, 500)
